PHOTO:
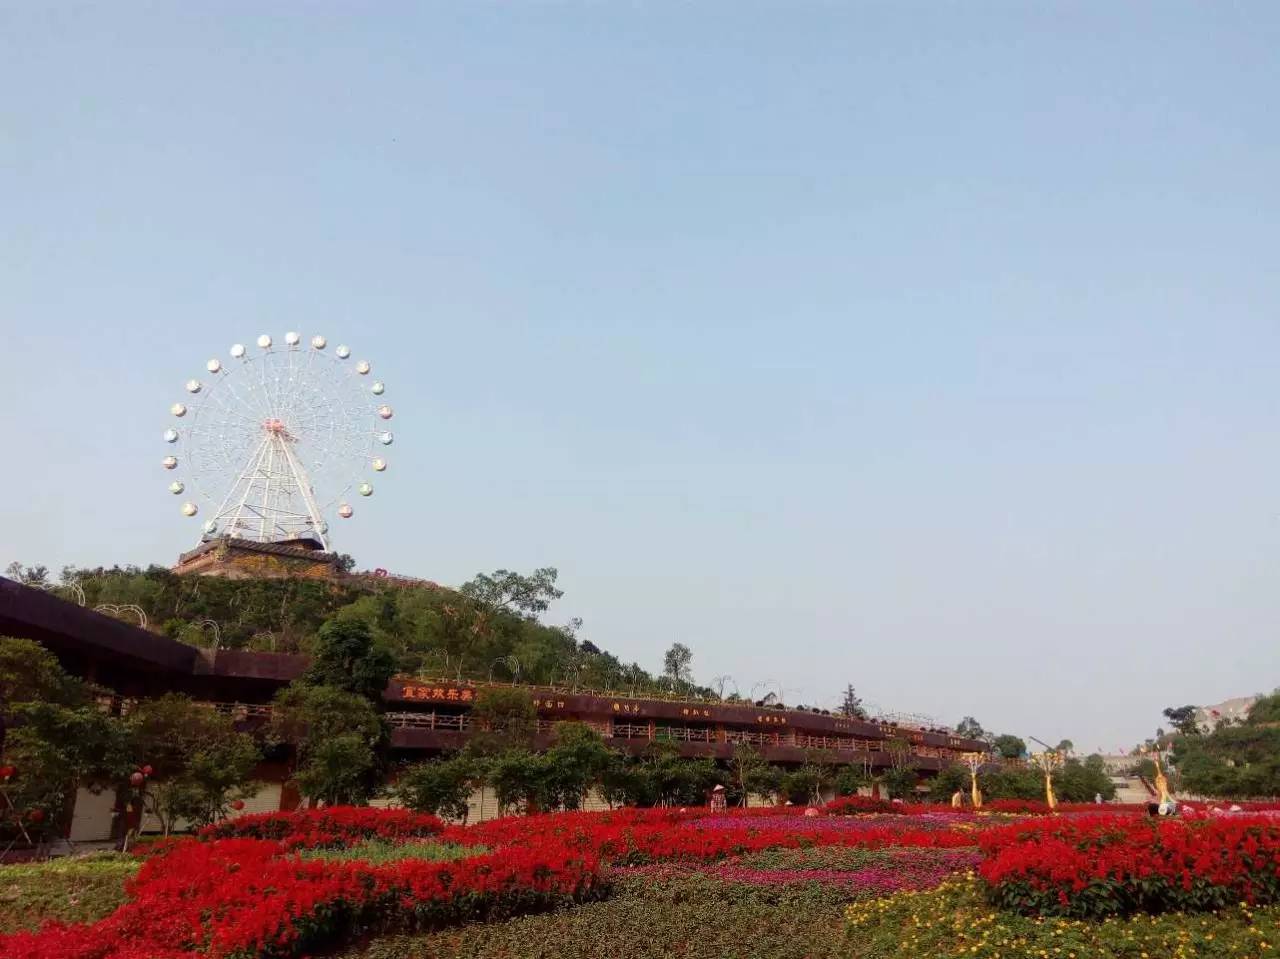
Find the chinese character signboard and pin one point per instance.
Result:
(437, 694)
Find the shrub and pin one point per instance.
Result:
(854, 805)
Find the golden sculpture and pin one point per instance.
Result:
(1162, 783)
(1048, 761)
(974, 761)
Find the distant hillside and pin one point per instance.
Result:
(487, 627)
(1232, 710)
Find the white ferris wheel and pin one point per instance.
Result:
(274, 440)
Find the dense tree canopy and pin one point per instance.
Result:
(1076, 781)
(970, 728)
(59, 738)
(200, 763)
(1183, 719)
(428, 630)
(345, 657)
(1010, 747)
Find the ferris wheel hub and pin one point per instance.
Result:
(277, 427)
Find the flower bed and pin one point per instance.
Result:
(852, 873)
(955, 921)
(334, 826)
(856, 805)
(639, 836)
(250, 897)
(245, 888)
(1117, 865)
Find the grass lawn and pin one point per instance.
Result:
(71, 890)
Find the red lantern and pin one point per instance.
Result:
(7, 772)
(237, 805)
(147, 770)
(36, 815)
(137, 779)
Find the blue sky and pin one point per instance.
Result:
(927, 347)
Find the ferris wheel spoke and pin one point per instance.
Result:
(250, 403)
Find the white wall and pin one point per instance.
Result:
(92, 817)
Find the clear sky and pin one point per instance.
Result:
(931, 347)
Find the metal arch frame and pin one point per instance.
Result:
(115, 610)
(328, 428)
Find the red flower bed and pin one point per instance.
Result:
(1105, 865)
(1038, 807)
(853, 805)
(249, 897)
(637, 836)
(329, 827)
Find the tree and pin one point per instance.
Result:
(624, 782)
(800, 785)
(970, 728)
(900, 783)
(505, 591)
(28, 575)
(200, 763)
(337, 736)
(1080, 781)
(1010, 747)
(850, 780)
(1183, 719)
(502, 718)
(901, 777)
(517, 777)
(30, 673)
(339, 771)
(1265, 709)
(53, 733)
(851, 705)
(744, 767)
(949, 780)
(751, 775)
(764, 781)
(574, 763)
(346, 658)
(676, 664)
(442, 787)
(1064, 747)
(674, 781)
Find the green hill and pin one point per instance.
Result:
(487, 627)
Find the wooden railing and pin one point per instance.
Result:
(241, 712)
(660, 695)
(463, 723)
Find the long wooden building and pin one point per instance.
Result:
(431, 716)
